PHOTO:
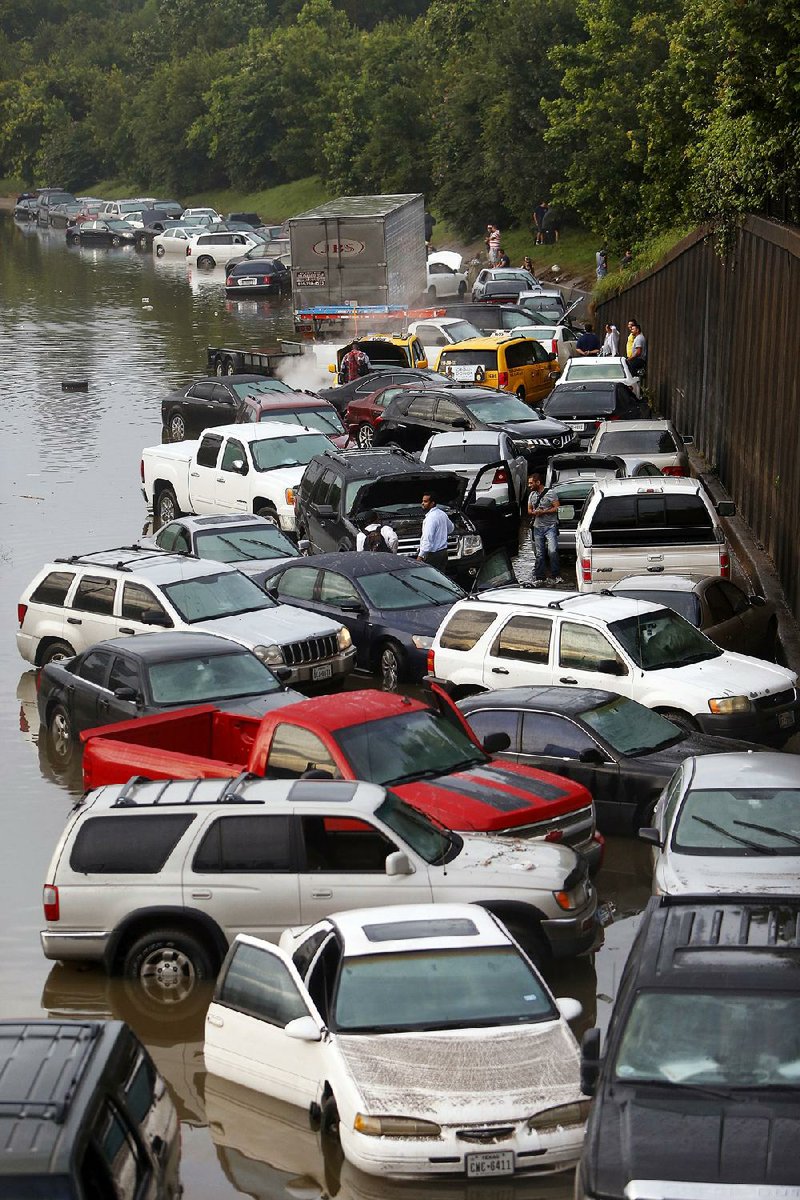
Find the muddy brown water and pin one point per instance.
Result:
(135, 326)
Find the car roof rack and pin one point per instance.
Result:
(65, 1083)
(121, 565)
(228, 795)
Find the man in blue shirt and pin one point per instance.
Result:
(436, 529)
(588, 342)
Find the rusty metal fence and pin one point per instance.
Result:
(723, 357)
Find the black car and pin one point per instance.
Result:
(26, 208)
(488, 317)
(413, 416)
(212, 401)
(624, 753)
(254, 273)
(339, 492)
(123, 678)
(102, 232)
(697, 1093)
(341, 395)
(391, 605)
(583, 405)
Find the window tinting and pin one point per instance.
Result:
(139, 603)
(447, 413)
(526, 639)
(295, 750)
(139, 1089)
(496, 720)
(248, 843)
(520, 354)
(562, 402)
(403, 931)
(466, 454)
(208, 450)
(53, 588)
(637, 441)
(553, 737)
(344, 844)
(719, 606)
(234, 452)
(95, 595)
(124, 674)
(635, 520)
(465, 628)
(297, 583)
(203, 391)
(259, 983)
(422, 409)
(94, 667)
(128, 844)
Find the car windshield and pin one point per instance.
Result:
(595, 369)
(130, 206)
(462, 331)
(257, 387)
(684, 603)
(407, 746)
(749, 821)
(209, 597)
(514, 320)
(424, 990)
(500, 406)
(662, 639)
(431, 842)
(273, 453)
(637, 441)
(203, 680)
(238, 545)
(630, 728)
(712, 1038)
(417, 588)
(324, 420)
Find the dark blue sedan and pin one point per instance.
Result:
(391, 605)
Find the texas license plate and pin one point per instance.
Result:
(492, 1162)
(248, 281)
(785, 720)
(323, 672)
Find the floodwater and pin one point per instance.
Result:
(135, 326)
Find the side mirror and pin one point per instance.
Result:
(569, 1008)
(650, 835)
(757, 601)
(157, 618)
(687, 441)
(397, 864)
(590, 1061)
(726, 508)
(352, 606)
(592, 755)
(493, 743)
(126, 693)
(303, 1029)
(304, 545)
(553, 374)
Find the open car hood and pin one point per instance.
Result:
(448, 257)
(407, 491)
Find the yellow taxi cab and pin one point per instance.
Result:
(513, 364)
(386, 350)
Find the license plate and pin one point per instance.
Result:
(248, 281)
(785, 720)
(492, 1162)
(566, 512)
(323, 672)
(605, 913)
(578, 426)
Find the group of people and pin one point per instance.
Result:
(601, 262)
(379, 536)
(546, 228)
(589, 344)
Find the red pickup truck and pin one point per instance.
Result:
(427, 755)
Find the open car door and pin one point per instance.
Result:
(491, 504)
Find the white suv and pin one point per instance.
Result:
(73, 603)
(511, 636)
(155, 879)
(209, 250)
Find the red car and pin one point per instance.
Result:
(296, 408)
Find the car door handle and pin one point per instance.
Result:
(567, 679)
(74, 621)
(195, 474)
(213, 1019)
(220, 479)
(201, 895)
(126, 629)
(499, 671)
(321, 893)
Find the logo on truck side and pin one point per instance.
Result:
(345, 249)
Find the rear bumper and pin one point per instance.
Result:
(770, 727)
(87, 946)
(27, 645)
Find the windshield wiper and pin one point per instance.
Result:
(759, 846)
(790, 837)
(719, 1093)
(428, 773)
(238, 549)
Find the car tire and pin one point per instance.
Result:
(521, 394)
(177, 427)
(160, 251)
(115, 241)
(268, 510)
(55, 652)
(205, 262)
(59, 736)
(229, 367)
(391, 666)
(532, 941)
(168, 964)
(141, 242)
(74, 241)
(681, 719)
(366, 436)
(166, 509)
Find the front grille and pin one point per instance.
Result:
(776, 700)
(575, 827)
(410, 546)
(311, 650)
(485, 1136)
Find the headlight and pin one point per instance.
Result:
(271, 655)
(471, 543)
(289, 494)
(422, 643)
(730, 704)
(572, 899)
(345, 641)
(408, 1127)
(564, 1115)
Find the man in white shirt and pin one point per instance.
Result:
(436, 529)
(376, 536)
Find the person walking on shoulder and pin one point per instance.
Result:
(436, 529)
(637, 349)
(610, 347)
(543, 508)
(493, 244)
(601, 263)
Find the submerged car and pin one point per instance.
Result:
(257, 273)
(419, 1036)
(106, 232)
(251, 543)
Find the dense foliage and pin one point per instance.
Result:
(635, 114)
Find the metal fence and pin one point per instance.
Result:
(723, 354)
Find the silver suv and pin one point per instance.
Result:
(155, 879)
(73, 603)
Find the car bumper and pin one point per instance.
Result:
(544, 1153)
(315, 675)
(27, 645)
(87, 946)
(579, 933)
(770, 727)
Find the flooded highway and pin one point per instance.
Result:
(135, 326)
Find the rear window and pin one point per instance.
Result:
(473, 358)
(127, 845)
(53, 588)
(463, 455)
(592, 404)
(638, 520)
(465, 628)
(638, 441)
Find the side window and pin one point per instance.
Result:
(208, 450)
(257, 982)
(141, 1089)
(234, 453)
(668, 803)
(204, 391)
(422, 409)
(310, 477)
(295, 750)
(344, 844)
(465, 628)
(120, 1153)
(222, 395)
(139, 604)
(496, 720)
(447, 413)
(334, 493)
(538, 353)
(127, 844)
(735, 597)
(95, 595)
(94, 667)
(304, 954)
(124, 674)
(165, 538)
(587, 649)
(526, 639)
(719, 607)
(249, 843)
(321, 983)
(322, 488)
(53, 588)
(553, 737)
(297, 583)
(336, 588)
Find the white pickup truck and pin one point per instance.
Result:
(230, 469)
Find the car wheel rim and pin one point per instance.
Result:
(167, 975)
(390, 670)
(177, 429)
(59, 656)
(365, 436)
(160, 251)
(59, 734)
(166, 510)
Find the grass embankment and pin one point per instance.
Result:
(272, 204)
(645, 256)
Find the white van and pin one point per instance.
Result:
(650, 526)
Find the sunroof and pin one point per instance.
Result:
(401, 931)
(338, 791)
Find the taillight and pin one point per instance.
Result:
(229, 281)
(724, 564)
(500, 475)
(502, 379)
(50, 902)
(21, 610)
(267, 279)
(679, 471)
(554, 347)
(586, 570)
(431, 663)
